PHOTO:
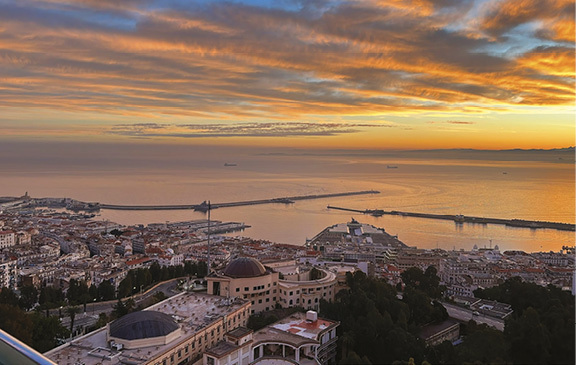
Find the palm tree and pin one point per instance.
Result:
(72, 311)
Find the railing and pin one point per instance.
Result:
(14, 351)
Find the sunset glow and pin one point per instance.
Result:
(485, 74)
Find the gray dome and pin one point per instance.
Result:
(142, 324)
(244, 267)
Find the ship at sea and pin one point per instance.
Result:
(230, 164)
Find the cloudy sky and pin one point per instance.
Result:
(320, 73)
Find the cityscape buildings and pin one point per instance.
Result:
(50, 248)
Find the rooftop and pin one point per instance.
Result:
(294, 329)
(192, 311)
(221, 349)
(244, 267)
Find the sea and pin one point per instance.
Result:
(531, 185)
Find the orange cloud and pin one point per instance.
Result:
(236, 62)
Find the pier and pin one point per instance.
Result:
(203, 207)
(460, 219)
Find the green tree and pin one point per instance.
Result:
(103, 319)
(119, 309)
(16, 322)
(47, 331)
(7, 296)
(71, 312)
(529, 339)
(125, 287)
(481, 344)
(28, 297)
(77, 292)
(106, 290)
(50, 297)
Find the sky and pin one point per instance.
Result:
(350, 74)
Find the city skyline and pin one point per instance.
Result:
(361, 74)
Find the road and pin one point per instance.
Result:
(464, 315)
(93, 310)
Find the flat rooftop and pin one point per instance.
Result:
(294, 329)
(192, 311)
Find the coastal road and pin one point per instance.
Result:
(464, 315)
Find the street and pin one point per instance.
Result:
(464, 315)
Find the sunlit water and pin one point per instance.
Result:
(536, 190)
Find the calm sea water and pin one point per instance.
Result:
(535, 186)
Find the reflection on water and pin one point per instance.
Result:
(534, 190)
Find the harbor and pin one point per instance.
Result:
(460, 219)
(204, 206)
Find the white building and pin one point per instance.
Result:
(8, 273)
(175, 331)
(7, 239)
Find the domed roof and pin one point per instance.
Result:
(142, 324)
(244, 267)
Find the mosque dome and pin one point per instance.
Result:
(244, 267)
(142, 325)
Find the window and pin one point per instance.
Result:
(237, 290)
(291, 293)
(246, 288)
(297, 291)
(267, 300)
(259, 301)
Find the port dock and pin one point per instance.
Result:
(460, 219)
(203, 207)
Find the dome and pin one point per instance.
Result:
(143, 324)
(244, 267)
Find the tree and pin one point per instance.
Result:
(7, 296)
(427, 281)
(119, 309)
(77, 292)
(125, 287)
(482, 344)
(16, 322)
(529, 339)
(103, 319)
(553, 332)
(50, 297)
(28, 297)
(71, 312)
(47, 331)
(116, 232)
(106, 290)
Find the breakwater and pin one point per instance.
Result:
(459, 219)
(203, 207)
